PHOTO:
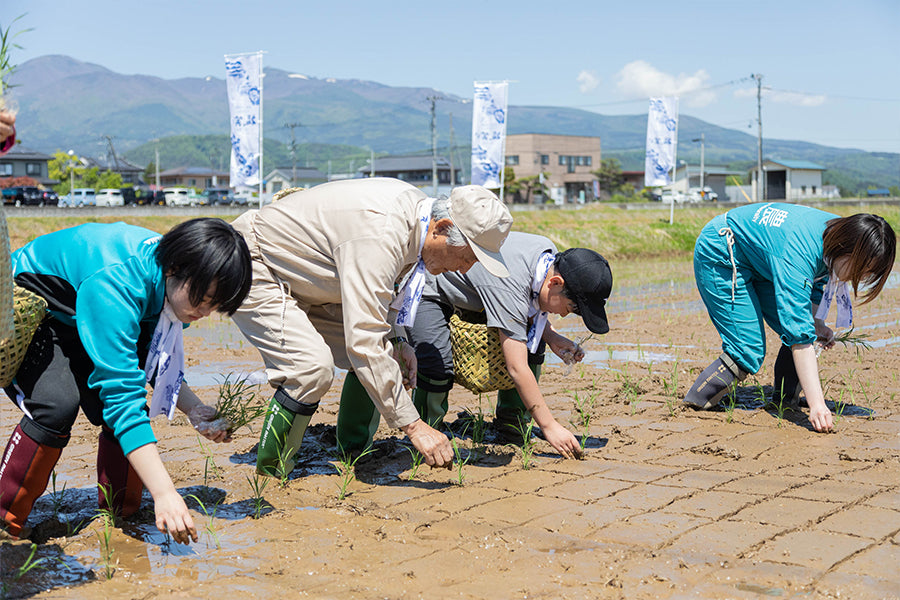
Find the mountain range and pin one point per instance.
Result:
(67, 104)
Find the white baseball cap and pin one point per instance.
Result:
(484, 221)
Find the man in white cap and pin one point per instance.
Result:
(326, 264)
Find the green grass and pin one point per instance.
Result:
(616, 233)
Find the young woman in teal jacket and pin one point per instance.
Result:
(784, 264)
(118, 296)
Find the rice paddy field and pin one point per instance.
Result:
(746, 501)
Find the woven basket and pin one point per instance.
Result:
(30, 310)
(477, 358)
(6, 281)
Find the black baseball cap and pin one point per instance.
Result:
(588, 280)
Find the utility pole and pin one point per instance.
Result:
(156, 163)
(434, 168)
(700, 139)
(760, 190)
(450, 152)
(292, 126)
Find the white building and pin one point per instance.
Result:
(792, 180)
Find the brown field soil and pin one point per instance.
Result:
(667, 503)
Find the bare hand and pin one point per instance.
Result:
(562, 440)
(172, 516)
(203, 418)
(431, 443)
(405, 355)
(821, 419)
(824, 334)
(7, 125)
(567, 350)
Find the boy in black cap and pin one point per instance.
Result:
(541, 281)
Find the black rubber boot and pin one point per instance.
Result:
(714, 382)
(787, 383)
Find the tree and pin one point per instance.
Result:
(526, 188)
(609, 177)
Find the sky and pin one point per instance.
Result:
(830, 69)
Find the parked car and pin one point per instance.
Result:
(696, 194)
(79, 197)
(109, 197)
(129, 196)
(157, 198)
(23, 195)
(51, 198)
(177, 196)
(676, 196)
(218, 196)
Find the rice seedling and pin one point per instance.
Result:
(258, 485)
(584, 407)
(525, 430)
(57, 497)
(731, 401)
(210, 527)
(108, 519)
(210, 469)
(30, 564)
(417, 459)
(239, 403)
(460, 462)
(346, 468)
(839, 406)
(670, 386)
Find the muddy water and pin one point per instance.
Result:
(742, 502)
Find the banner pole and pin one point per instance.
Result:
(261, 136)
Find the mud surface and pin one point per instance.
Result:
(668, 502)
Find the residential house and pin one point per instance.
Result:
(131, 174)
(194, 177)
(288, 177)
(566, 160)
(417, 170)
(792, 180)
(22, 162)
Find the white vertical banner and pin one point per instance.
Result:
(662, 141)
(488, 133)
(242, 79)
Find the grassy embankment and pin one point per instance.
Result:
(618, 234)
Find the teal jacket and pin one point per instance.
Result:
(104, 280)
(782, 245)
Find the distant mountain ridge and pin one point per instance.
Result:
(65, 103)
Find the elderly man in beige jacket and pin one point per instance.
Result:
(327, 263)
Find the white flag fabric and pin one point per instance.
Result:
(242, 74)
(488, 132)
(662, 139)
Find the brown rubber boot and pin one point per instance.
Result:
(24, 472)
(119, 488)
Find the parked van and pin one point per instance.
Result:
(110, 197)
(79, 197)
(177, 196)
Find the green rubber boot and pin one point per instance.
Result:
(512, 416)
(432, 406)
(282, 434)
(357, 419)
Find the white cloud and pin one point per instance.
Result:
(587, 81)
(640, 78)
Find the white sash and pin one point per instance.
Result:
(166, 359)
(840, 290)
(407, 301)
(539, 322)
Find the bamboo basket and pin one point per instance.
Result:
(29, 310)
(6, 282)
(477, 358)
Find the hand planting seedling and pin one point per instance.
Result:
(239, 404)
